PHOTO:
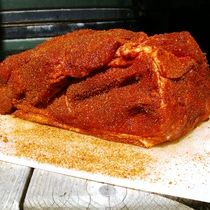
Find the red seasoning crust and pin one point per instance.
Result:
(119, 85)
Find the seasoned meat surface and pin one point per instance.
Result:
(117, 84)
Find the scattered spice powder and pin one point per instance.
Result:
(3, 138)
(198, 158)
(71, 150)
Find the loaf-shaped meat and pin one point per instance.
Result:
(117, 84)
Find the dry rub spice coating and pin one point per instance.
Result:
(119, 85)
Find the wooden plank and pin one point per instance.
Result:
(28, 16)
(56, 191)
(13, 180)
(34, 4)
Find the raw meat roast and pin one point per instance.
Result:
(117, 84)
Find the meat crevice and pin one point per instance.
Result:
(107, 87)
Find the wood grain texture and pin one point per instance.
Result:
(13, 180)
(49, 190)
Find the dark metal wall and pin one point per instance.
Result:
(25, 23)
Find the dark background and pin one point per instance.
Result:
(25, 23)
(167, 16)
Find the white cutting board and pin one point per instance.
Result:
(180, 168)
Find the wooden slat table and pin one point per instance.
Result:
(32, 189)
(13, 180)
